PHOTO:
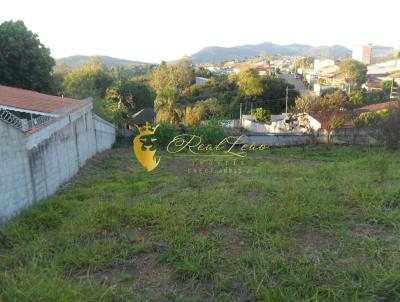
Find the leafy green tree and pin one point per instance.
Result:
(354, 72)
(167, 107)
(305, 62)
(387, 85)
(182, 74)
(250, 83)
(161, 77)
(132, 93)
(110, 111)
(334, 101)
(24, 61)
(193, 115)
(92, 79)
(179, 75)
(210, 106)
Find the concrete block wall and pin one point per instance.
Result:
(15, 177)
(346, 136)
(34, 167)
(105, 133)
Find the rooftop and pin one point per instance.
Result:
(143, 116)
(377, 107)
(28, 100)
(30, 111)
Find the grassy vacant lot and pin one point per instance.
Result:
(312, 224)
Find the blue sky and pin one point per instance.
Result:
(155, 30)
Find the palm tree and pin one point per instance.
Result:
(167, 107)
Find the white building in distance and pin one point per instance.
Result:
(369, 53)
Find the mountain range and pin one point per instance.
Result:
(217, 53)
(79, 60)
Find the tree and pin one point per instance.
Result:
(210, 107)
(384, 124)
(92, 79)
(179, 75)
(334, 101)
(110, 111)
(262, 115)
(193, 115)
(161, 77)
(335, 122)
(354, 72)
(305, 62)
(166, 106)
(182, 74)
(387, 86)
(24, 61)
(134, 94)
(250, 83)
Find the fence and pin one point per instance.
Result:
(23, 124)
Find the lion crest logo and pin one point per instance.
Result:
(143, 147)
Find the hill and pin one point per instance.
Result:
(79, 60)
(217, 53)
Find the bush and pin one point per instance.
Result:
(374, 97)
(386, 122)
(337, 122)
(210, 134)
(109, 110)
(369, 119)
(165, 133)
(262, 115)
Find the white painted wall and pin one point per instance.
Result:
(34, 167)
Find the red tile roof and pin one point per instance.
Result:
(377, 107)
(325, 118)
(34, 101)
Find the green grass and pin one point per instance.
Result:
(298, 224)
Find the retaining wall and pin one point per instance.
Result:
(34, 167)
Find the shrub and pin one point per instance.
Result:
(210, 134)
(386, 122)
(365, 119)
(109, 110)
(262, 115)
(375, 96)
(387, 85)
(337, 122)
(165, 133)
(193, 115)
(370, 119)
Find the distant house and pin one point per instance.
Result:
(371, 86)
(322, 63)
(369, 54)
(141, 117)
(377, 107)
(201, 80)
(44, 140)
(262, 69)
(323, 119)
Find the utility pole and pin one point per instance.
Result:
(240, 113)
(287, 96)
(391, 90)
(251, 108)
